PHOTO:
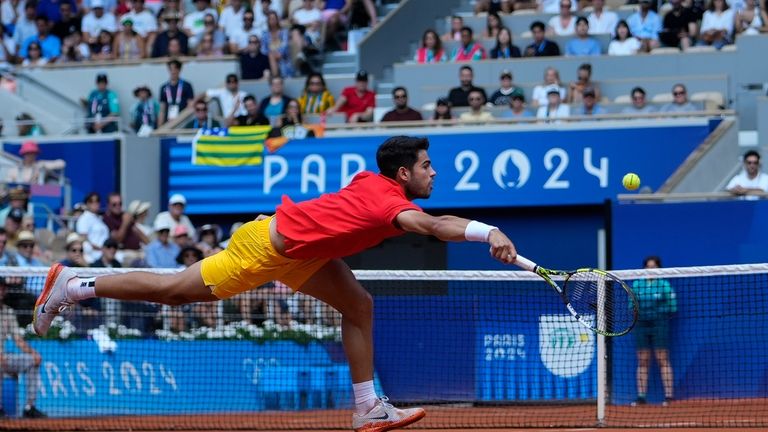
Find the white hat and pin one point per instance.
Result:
(73, 237)
(177, 199)
(25, 236)
(162, 224)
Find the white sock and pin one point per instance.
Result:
(365, 397)
(81, 289)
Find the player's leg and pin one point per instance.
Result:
(643, 360)
(667, 379)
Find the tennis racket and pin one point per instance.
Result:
(597, 299)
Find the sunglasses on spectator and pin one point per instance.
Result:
(25, 245)
(116, 203)
(400, 96)
(76, 250)
(678, 93)
(638, 97)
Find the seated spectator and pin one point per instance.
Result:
(501, 97)
(31, 170)
(103, 108)
(553, 6)
(160, 48)
(624, 43)
(91, 228)
(504, 48)
(128, 44)
(468, 49)
(290, 125)
(25, 26)
(311, 18)
(25, 246)
(108, 252)
(252, 115)
(751, 179)
(144, 22)
(602, 21)
(454, 34)
(495, 6)
(239, 39)
(144, 112)
(230, 97)
(443, 109)
(254, 65)
(477, 112)
(274, 43)
(175, 216)
(492, 25)
(563, 24)
(74, 252)
(680, 101)
(517, 105)
(141, 210)
(18, 198)
(194, 21)
(23, 292)
(316, 99)
(582, 44)
(335, 15)
(162, 253)
(717, 25)
(182, 237)
(26, 126)
(589, 104)
(554, 109)
(97, 20)
(458, 96)
(34, 57)
(208, 239)
(645, 25)
(357, 101)
(402, 111)
(122, 229)
(302, 53)
(206, 48)
(73, 49)
(431, 50)
(680, 26)
(639, 104)
(49, 44)
(202, 119)
(583, 80)
(218, 36)
(751, 19)
(551, 79)
(541, 46)
(103, 48)
(273, 107)
(175, 94)
(231, 19)
(25, 360)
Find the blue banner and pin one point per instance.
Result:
(499, 169)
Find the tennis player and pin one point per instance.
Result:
(302, 246)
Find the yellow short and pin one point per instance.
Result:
(250, 260)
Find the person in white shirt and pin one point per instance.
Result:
(238, 39)
(563, 24)
(230, 98)
(624, 43)
(552, 6)
(602, 21)
(551, 79)
(91, 228)
(144, 21)
(717, 25)
(555, 108)
(97, 20)
(7, 48)
(751, 179)
(310, 17)
(231, 19)
(261, 10)
(194, 22)
(175, 215)
(25, 25)
(11, 11)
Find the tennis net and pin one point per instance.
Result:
(477, 349)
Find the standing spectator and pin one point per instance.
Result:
(717, 25)
(402, 111)
(551, 80)
(311, 18)
(122, 229)
(680, 101)
(175, 94)
(230, 97)
(274, 43)
(639, 104)
(624, 43)
(161, 253)
(316, 99)
(162, 44)
(477, 112)
(175, 215)
(583, 44)
(583, 80)
(97, 20)
(26, 362)
(231, 19)
(273, 107)
(541, 46)
(431, 50)
(602, 21)
(492, 25)
(252, 115)
(69, 21)
(202, 119)
(92, 228)
(357, 101)
(563, 24)
(25, 26)
(554, 109)
(194, 21)
(144, 113)
(49, 44)
(144, 23)
(657, 304)
(254, 65)
(458, 96)
(501, 97)
(128, 44)
(645, 25)
(680, 26)
(239, 39)
(454, 34)
(751, 179)
(26, 126)
(31, 169)
(103, 108)
(468, 49)
(443, 109)
(504, 48)
(517, 106)
(589, 103)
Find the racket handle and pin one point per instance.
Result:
(525, 264)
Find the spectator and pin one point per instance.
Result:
(144, 22)
(477, 112)
(551, 80)
(122, 229)
(32, 170)
(639, 105)
(18, 198)
(239, 39)
(680, 26)
(26, 126)
(492, 25)
(751, 179)
(231, 19)
(624, 43)
(74, 251)
(8, 258)
(7, 48)
(657, 304)
(454, 34)
(108, 253)
(290, 124)
(563, 24)
(144, 113)
(48, 43)
(25, 245)
(274, 43)
(431, 50)
(589, 105)
(645, 25)
(402, 111)
(335, 16)
(34, 57)
(553, 6)
(73, 49)
(69, 21)
(311, 18)
(443, 109)
(501, 97)
(13, 226)
(717, 25)
(252, 115)
(554, 109)
(175, 215)
(602, 21)
(362, 14)
(162, 44)
(141, 210)
(504, 48)
(181, 237)
(262, 8)
(517, 106)
(103, 108)
(316, 99)
(25, 26)
(583, 80)
(206, 48)
(103, 48)
(128, 44)
(52, 8)
(175, 94)
(254, 65)
(230, 97)
(194, 22)
(541, 46)
(468, 49)
(357, 101)
(496, 6)
(26, 362)
(273, 107)
(751, 19)
(109, 5)
(202, 119)
(680, 101)
(208, 242)
(458, 96)
(92, 228)
(218, 37)
(97, 20)
(162, 253)
(582, 44)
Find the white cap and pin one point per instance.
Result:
(73, 237)
(177, 199)
(97, 3)
(162, 224)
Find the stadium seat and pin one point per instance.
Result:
(526, 34)
(662, 98)
(698, 49)
(711, 100)
(665, 50)
(623, 99)
(628, 7)
(729, 48)
(525, 12)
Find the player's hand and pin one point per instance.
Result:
(501, 247)
(261, 217)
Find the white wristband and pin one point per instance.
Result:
(478, 231)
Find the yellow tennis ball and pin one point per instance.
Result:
(631, 181)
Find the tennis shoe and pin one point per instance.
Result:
(383, 417)
(53, 300)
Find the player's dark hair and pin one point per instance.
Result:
(653, 258)
(399, 151)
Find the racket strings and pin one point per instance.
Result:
(603, 302)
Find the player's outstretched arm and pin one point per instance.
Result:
(453, 228)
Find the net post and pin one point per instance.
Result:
(602, 357)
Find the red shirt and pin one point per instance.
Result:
(344, 223)
(356, 103)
